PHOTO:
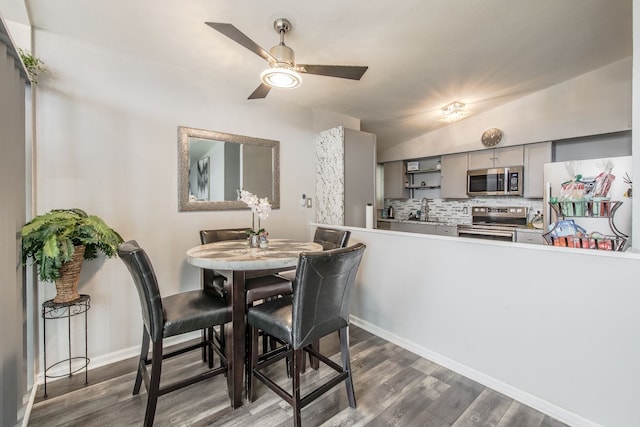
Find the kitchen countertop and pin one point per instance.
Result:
(451, 223)
(417, 221)
(530, 230)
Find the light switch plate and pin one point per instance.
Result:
(309, 202)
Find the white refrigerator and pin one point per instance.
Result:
(555, 174)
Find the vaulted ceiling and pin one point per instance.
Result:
(421, 54)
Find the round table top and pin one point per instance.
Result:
(237, 255)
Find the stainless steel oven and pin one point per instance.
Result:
(494, 223)
(495, 181)
(506, 234)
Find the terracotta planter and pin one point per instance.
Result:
(67, 284)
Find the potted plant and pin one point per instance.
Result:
(58, 242)
(262, 207)
(33, 65)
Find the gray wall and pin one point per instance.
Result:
(615, 144)
(13, 367)
(360, 175)
(257, 166)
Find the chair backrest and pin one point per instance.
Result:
(210, 236)
(331, 239)
(322, 292)
(139, 265)
(211, 280)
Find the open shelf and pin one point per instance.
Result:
(604, 209)
(424, 171)
(421, 187)
(585, 208)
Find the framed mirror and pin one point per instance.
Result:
(214, 166)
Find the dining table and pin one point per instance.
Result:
(235, 260)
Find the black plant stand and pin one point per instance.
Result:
(54, 310)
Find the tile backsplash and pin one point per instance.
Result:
(458, 211)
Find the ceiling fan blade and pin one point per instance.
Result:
(239, 37)
(260, 92)
(342, 71)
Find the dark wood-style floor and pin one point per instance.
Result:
(393, 388)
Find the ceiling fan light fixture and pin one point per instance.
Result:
(279, 77)
(454, 111)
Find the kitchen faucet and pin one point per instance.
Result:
(424, 209)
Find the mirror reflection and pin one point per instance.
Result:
(213, 166)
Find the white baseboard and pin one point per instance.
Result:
(29, 406)
(514, 393)
(117, 356)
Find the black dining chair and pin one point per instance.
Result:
(319, 305)
(214, 282)
(280, 284)
(211, 280)
(329, 238)
(166, 317)
(257, 286)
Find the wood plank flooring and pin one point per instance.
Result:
(393, 388)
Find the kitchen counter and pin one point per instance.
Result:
(450, 228)
(416, 226)
(522, 229)
(416, 221)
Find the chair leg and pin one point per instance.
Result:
(209, 346)
(222, 338)
(298, 357)
(154, 383)
(273, 344)
(346, 363)
(253, 363)
(144, 353)
(313, 362)
(204, 349)
(228, 337)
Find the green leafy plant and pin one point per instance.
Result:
(33, 64)
(50, 239)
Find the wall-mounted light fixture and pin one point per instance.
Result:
(454, 111)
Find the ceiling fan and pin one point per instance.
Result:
(284, 72)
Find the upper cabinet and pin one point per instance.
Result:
(496, 157)
(446, 176)
(453, 176)
(535, 156)
(394, 180)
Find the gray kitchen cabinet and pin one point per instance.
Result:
(413, 228)
(453, 176)
(535, 156)
(446, 230)
(394, 180)
(497, 157)
(529, 236)
(383, 225)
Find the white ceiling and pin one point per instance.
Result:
(421, 54)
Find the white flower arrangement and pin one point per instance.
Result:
(259, 206)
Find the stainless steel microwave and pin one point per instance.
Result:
(505, 181)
